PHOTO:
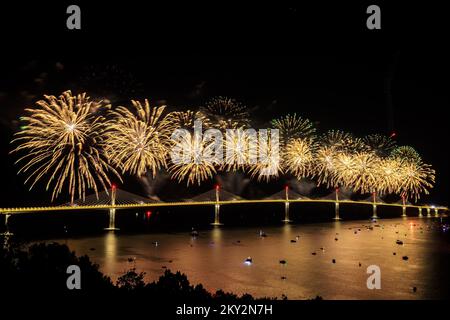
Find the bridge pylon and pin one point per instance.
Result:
(336, 211)
(217, 208)
(404, 207)
(374, 211)
(286, 213)
(112, 211)
(286, 206)
(112, 221)
(374, 206)
(404, 212)
(336, 206)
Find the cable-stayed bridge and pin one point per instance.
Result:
(115, 198)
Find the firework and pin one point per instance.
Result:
(268, 165)
(416, 178)
(379, 144)
(63, 141)
(365, 177)
(267, 170)
(406, 154)
(334, 158)
(343, 170)
(186, 119)
(192, 158)
(226, 113)
(241, 149)
(359, 171)
(67, 141)
(298, 157)
(342, 141)
(293, 127)
(389, 176)
(138, 141)
(324, 166)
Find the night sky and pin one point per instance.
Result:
(274, 60)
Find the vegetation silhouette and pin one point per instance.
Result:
(42, 268)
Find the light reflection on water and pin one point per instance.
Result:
(110, 253)
(216, 258)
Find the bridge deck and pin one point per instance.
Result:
(203, 203)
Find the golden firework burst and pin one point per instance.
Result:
(379, 144)
(343, 170)
(365, 178)
(298, 157)
(342, 141)
(415, 178)
(241, 149)
(324, 166)
(63, 140)
(138, 141)
(191, 159)
(268, 165)
(186, 119)
(292, 127)
(226, 113)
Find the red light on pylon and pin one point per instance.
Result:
(217, 187)
(286, 187)
(113, 186)
(148, 214)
